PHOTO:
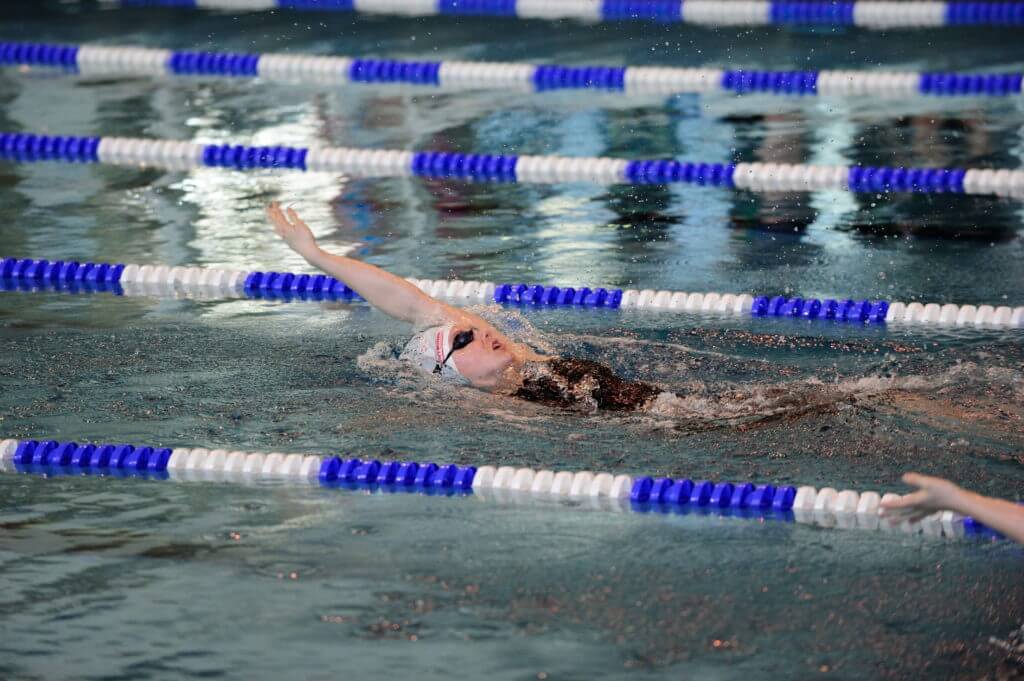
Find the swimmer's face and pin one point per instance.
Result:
(486, 360)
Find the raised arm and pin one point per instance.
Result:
(390, 294)
(937, 494)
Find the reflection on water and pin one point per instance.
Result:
(676, 237)
(272, 582)
(263, 580)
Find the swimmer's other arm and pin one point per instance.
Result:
(390, 294)
(937, 494)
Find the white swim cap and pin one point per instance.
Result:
(428, 348)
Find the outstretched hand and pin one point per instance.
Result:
(292, 229)
(933, 494)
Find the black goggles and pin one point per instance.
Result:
(462, 339)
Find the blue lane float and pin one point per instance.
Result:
(517, 77)
(883, 14)
(758, 177)
(286, 284)
(827, 507)
(406, 474)
(60, 271)
(837, 310)
(27, 274)
(537, 294)
(88, 456)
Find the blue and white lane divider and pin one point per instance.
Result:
(827, 507)
(872, 14)
(25, 274)
(644, 80)
(759, 177)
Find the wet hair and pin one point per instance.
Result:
(582, 384)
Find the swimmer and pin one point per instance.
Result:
(458, 346)
(937, 494)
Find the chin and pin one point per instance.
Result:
(507, 381)
(488, 386)
(484, 382)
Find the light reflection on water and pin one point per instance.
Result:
(404, 582)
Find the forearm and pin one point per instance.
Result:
(1002, 516)
(391, 294)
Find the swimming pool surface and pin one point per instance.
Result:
(107, 578)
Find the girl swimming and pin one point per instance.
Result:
(458, 346)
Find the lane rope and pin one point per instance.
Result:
(515, 77)
(757, 177)
(869, 14)
(827, 507)
(26, 274)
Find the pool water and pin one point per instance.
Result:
(116, 578)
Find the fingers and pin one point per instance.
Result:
(916, 479)
(274, 210)
(906, 508)
(277, 219)
(906, 501)
(278, 223)
(893, 519)
(289, 226)
(295, 217)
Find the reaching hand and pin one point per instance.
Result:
(292, 229)
(933, 494)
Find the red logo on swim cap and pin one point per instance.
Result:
(439, 344)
